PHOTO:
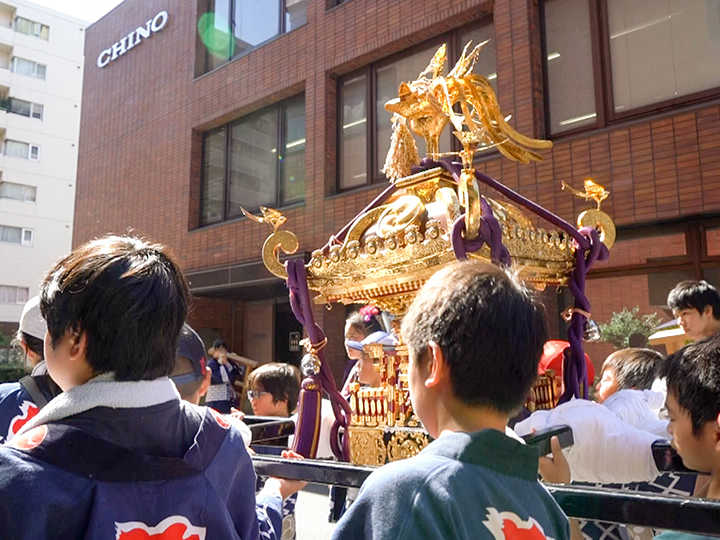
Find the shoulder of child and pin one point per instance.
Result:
(391, 498)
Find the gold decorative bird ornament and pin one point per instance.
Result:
(270, 216)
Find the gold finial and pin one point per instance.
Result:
(270, 216)
(593, 192)
(464, 99)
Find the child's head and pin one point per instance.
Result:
(481, 326)
(274, 389)
(358, 326)
(628, 368)
(190, 374)
(114, 304)
(219, 347)
(31, 331)
(696, 305)
(693, 403)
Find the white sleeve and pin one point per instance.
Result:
(606, 450)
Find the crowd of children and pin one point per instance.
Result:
(106, 438)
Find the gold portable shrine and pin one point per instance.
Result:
(384, 255)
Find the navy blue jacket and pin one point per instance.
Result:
(67, 480)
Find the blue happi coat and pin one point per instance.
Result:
(58, 481)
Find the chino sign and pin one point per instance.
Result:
(135, 37)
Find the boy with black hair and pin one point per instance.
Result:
(693, 405)
(118, 454)
(696, 306)
(475, 336)
(274, 389)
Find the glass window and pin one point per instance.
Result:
(10, 235)
(18, 106)
(213, 175)
(28, 67)
(31, 28)
(18, 192)
(37, 111)
(253, 162)
(295, 14)
(258, 160)
(293, 157)
(229, 28)
(712, 241)
(569, 65)
(17, 149)
(10, 294)
(34, 152)
(214, 30)
(353, 136)
(254, 23)
(662, 50)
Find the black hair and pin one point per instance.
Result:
(281, 380)
(32, 343)
(365, 327)
(218, 343)
(693, 377)
(634, 368)
(128, 296)
(695, 295)
(491, 330)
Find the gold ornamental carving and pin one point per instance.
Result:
(367, 446)
(406, 444)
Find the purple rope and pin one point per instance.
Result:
(490, 233)
(302, 308)
(575, 374)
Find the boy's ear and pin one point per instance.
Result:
(437, 366)
(78, 348)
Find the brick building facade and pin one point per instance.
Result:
(183, 128)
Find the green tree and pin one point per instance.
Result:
(627, 323)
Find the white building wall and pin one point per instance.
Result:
(57, 134)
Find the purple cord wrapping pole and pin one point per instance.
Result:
(489, 232)
(308, 432)
(574, 368)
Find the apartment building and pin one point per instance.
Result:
(279, 103)
(41, 71)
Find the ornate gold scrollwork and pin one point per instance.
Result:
(470, 199)
(404, 445)
(284, 240)
(405, 211)
(367, 446)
